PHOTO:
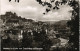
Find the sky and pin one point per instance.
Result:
(30, 9)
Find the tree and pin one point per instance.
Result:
(73, 23)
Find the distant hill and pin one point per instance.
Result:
(61, 22)
(51, 22)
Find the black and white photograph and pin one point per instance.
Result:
(39, 25)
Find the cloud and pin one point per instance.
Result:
(61, 14)
(32, 9)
